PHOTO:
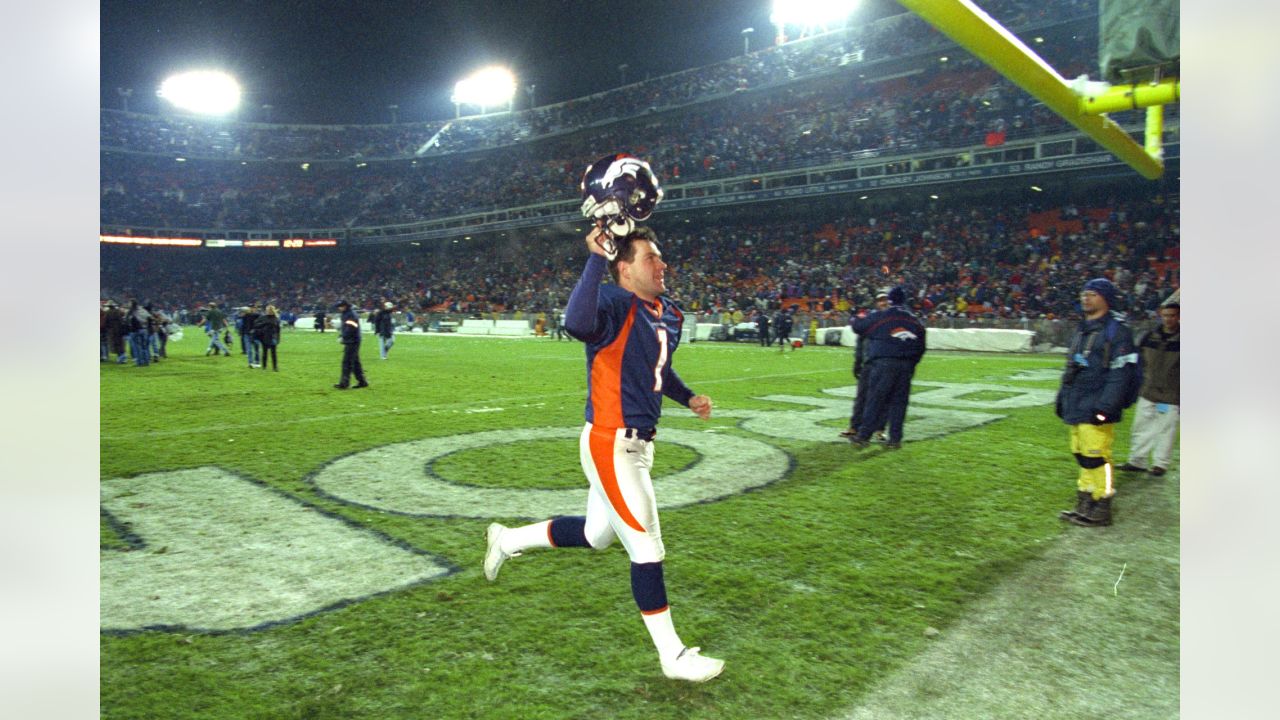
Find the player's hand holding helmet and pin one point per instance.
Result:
(617, 192)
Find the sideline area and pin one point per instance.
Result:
(1090, 629)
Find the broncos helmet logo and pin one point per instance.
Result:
(903, 334)
(619, 184)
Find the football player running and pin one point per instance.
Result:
(631, 331)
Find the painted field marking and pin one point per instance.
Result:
(214, 551)
(398, 478)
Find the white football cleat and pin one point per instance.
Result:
(493, 556)
(692, 666)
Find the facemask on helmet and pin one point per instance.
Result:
(617, 191)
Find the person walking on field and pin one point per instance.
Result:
(350, 348)
(384, 327)
(215, 323)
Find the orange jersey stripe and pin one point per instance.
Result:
(601, 445)
(606, 379)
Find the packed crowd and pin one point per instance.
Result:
(990, 261)
(959, 106)
(834, 115)
(887, 38)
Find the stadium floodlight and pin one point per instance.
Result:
(810, 14)
(208, 92)
(488, 87)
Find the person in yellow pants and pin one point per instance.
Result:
(1091, 444)
(1101, 372)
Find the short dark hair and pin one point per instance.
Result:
(627, 247)
(1171, 306)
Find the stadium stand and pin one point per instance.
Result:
(827, 103)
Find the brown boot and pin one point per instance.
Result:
(1097, 515)
(1083, 500)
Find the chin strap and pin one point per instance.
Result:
(610, 218)
(614, 227)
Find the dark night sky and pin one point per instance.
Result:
(345, 62)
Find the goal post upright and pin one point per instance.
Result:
(976, 31)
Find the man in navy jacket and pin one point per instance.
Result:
(1101, 364)
(350, 348)
(895, 344)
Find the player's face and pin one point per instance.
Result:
(646, 274)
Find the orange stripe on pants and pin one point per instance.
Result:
(601, 444)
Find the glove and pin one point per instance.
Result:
(1101, 417)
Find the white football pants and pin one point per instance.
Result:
(620, 502)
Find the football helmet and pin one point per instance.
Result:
(617, 191)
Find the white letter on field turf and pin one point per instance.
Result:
(214, 551)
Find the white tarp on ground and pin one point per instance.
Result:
(476, 326)
(983, 339)
(309, 323)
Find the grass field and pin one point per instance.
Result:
(275, 548)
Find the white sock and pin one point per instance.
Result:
(663, 632)
(518, 539)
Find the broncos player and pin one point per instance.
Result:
(631, 332)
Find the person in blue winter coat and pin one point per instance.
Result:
(1102, 364)
(895, 343)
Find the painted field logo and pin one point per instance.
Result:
(398, 478)
(213, 551)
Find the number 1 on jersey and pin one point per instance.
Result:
(662, 359)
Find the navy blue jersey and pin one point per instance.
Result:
(629, 346)
(891, 333)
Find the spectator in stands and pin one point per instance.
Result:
(1155, 421)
